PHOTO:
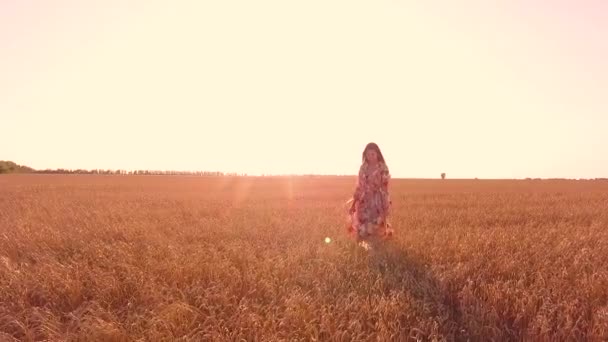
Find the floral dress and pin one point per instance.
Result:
(371, 202)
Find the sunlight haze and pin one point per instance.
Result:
(505, 89)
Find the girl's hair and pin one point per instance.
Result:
(373, 146)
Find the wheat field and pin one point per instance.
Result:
(161, 258)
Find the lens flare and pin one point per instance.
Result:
(327, 240)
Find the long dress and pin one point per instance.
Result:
(371, 203)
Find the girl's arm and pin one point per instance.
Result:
(359, 187)
(385, 179)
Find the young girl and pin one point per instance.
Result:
(370, 204)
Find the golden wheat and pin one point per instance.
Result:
(156, 258)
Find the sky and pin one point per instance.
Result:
(488, 89)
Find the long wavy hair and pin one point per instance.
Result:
(373, 146)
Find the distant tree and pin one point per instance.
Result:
(7, 166)
(443, 175)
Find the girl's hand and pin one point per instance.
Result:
(352, 202)
(352, 208)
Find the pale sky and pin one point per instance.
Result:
(488, 89)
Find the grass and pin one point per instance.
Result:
(136, 258)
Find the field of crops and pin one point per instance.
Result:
(161, 258)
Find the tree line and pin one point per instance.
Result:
(12, 167)
(136, 172)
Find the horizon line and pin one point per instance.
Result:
(216, 173)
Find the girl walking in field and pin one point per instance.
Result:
(370, 204)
